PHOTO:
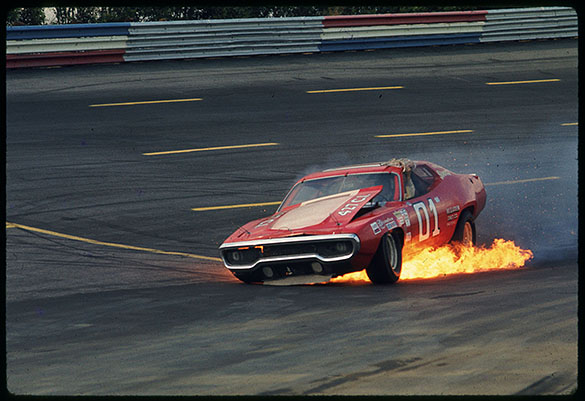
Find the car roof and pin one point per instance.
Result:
(378, 167)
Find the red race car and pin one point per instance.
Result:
(350, 218)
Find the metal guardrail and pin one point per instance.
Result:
(65, 58)
(66, 31)
(118, 42)
(69, 45)
(50, 45)
(532, 23)
(215, 38)
(404, 18)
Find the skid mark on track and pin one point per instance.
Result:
(555, 383)
(462, 294)
(383, 366)
(110, 244)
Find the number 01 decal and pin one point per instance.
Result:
(424, 230)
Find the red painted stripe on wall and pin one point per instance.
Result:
(64, 58)
(406, 18)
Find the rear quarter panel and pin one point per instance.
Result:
(468, 191)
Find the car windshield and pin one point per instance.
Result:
(320, 187)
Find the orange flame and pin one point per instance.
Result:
(453, 259)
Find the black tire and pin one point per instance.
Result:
(465, 229)
(387, 262)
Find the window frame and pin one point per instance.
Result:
(397, 185)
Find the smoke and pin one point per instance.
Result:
(540, 215)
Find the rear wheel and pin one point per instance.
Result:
(387, 262)
(465, 229)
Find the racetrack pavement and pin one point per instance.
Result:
(106, 294)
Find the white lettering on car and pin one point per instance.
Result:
(425, 232)
(353, 204)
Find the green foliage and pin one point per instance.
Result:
(78, 15)
(25, 16)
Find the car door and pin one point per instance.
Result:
(427, 209)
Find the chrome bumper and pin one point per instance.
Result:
(305, 239)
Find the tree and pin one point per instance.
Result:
(79, 15)
(25, 16)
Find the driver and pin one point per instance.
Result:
(407, 166)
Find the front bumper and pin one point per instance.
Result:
(278, 258)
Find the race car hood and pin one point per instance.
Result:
(328, 213)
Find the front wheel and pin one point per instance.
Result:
(387, 262)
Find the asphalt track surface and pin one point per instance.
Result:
(113, 285)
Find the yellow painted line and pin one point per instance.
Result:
(204, 209)
(110, 244)
(146, 102)
(461, 131)
(356, 89)
(534, 81)
(567, 124)
(171, 152)
(522, 181)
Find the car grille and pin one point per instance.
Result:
(324, 250)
